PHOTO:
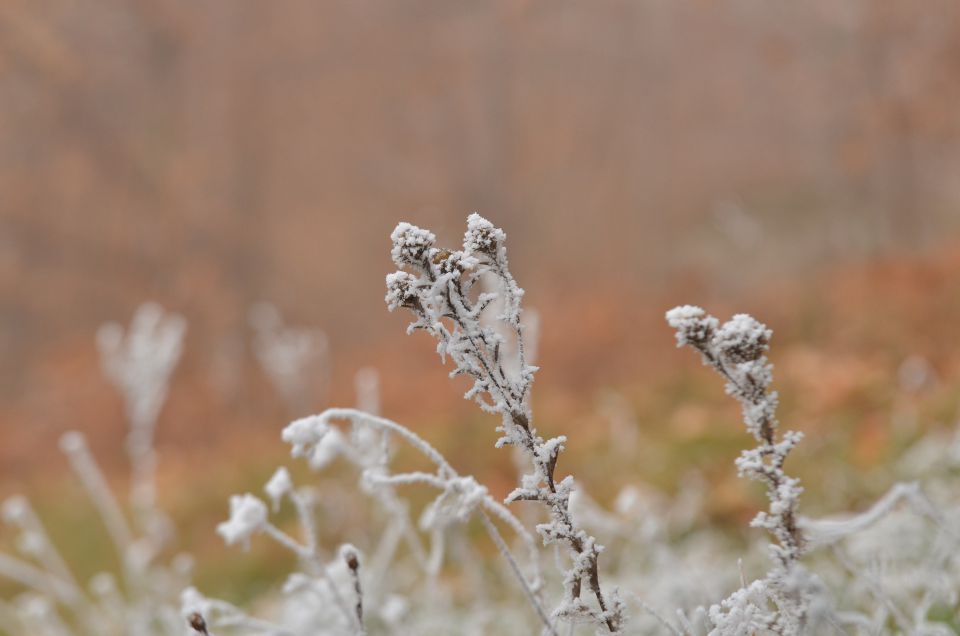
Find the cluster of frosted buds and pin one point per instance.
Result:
(694, 327)
(436, 286)
(482, 236)
(411, 245)
(402, 291)
(742, 339)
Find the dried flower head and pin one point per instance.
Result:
(411, 244)
(449, 262)
(401, 291)
(693, 325)
(482, 236)
(742, 339)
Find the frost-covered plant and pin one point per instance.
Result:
(790, 600)
(143, 601)
(437, 286)
(469, 302)
(736, 350)
(326, 596)
(139, 363)
(440, 295)
(292, 357)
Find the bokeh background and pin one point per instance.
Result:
(797, 160)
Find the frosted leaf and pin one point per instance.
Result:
(551, 448)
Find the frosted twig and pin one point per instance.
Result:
(306, 433)
(736, 350)
(18, 512)
(435, 285)
(351, 559)
(36, 579)
(649, 610)
(826, 531)
(139, 362)
(74, 445)
(527, 590)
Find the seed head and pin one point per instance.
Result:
(693, 325)
(197, 623)
(411, 244)
(482, 236)
(401, 291)
(742, 339)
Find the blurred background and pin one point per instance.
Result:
(796, 161)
